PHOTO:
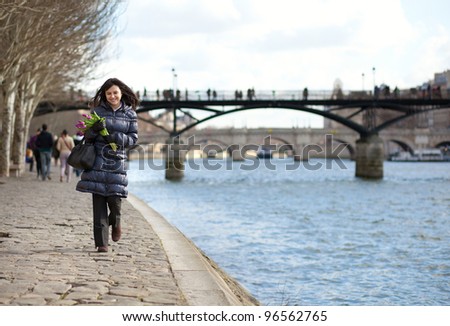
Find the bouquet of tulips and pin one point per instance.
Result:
(89, 121)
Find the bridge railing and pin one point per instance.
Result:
(227, 95)
(299, 94)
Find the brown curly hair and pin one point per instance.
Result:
(128, 96)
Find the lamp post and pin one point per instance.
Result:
(174, 155)
(174, 82)
(362, 76)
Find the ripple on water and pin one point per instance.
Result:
(317, 237)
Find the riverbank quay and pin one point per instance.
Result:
(47, 254)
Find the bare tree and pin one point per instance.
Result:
(47, 44)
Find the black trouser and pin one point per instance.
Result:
(37, 157)
(102, 220)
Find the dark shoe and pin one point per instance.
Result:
(102, 249)
(116, 233)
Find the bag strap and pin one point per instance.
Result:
(66, 144)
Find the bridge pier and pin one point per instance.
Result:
(175, 157)
(369, 157)
(234, 151)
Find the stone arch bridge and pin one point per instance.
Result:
(296, 142)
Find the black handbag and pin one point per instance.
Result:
(82, 156)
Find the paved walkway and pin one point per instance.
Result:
(47, 254)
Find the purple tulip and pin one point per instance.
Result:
(81, 125)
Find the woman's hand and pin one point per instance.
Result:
(98, 126)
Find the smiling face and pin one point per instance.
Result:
(113, 96)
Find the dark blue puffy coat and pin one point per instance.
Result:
(108, 177)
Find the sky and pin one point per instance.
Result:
(277, 45)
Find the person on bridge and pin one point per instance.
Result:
(107, 180)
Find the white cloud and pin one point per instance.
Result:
(283, 44)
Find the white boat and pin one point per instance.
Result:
(421, 155)
(430, 154)
(403, 157)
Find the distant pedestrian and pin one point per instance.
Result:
(305, 94)
(36, 156)
(396, 92)
(44, 143)
(64, 146)
(107, 180)
(376, 92)
(166, 94)
(29, 157)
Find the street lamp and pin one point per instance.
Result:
(373, 71)
(174, 81)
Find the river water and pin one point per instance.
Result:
(314, 234)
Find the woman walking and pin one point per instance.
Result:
(107, 180)
(64, 146)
